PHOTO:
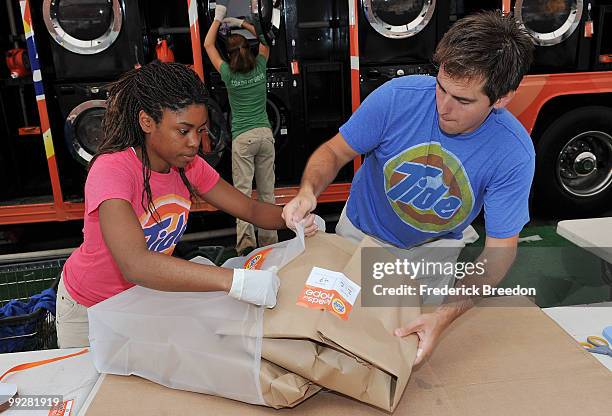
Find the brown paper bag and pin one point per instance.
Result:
(281, 388)
(359, 357)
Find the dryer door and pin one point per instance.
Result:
(83, 129)
(549, 22)
(83, 27)
(266, 16)
(398, 19)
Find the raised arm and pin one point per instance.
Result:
(264, 50)
(211, 38)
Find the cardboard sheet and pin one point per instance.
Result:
(503, 360)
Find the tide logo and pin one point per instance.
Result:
(256, 261)
(173, 212)
(428, 188)
(338, 306)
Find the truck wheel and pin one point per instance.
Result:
(574, 163)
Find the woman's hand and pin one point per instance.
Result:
(233, 22)
(220, 10)
(258, 287)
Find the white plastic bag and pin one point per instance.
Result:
(180, 340)
(276, 255)
(202, 342)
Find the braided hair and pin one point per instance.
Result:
(151, 88)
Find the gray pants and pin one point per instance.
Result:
(253, 156)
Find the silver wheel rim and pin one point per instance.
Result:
(558, 35)
(399, 31)
(584, 165)
(80, 46)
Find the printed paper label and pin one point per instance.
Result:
(329, 290)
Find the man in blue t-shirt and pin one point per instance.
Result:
(438, 150)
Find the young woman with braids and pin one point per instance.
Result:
(252, 140)
(138, 193)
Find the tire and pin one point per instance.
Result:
(574, 164)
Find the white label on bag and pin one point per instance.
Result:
(329, 290)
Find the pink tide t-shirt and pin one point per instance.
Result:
(91, 274)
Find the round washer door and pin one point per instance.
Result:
(398, 19)
(278, 121)
(83, 27)
(274, 116)
(83, 129)
(549, 22)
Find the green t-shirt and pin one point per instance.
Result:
(247, 96)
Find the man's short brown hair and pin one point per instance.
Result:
(489, 46)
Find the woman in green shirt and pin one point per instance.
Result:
(252, 140)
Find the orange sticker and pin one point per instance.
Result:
(330, 291)
(588, 29)
(256, 261)
(63, 409)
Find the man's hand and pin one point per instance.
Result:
(233, 22)
(310, 227)
(428, 328)
(298, 208)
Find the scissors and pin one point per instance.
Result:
(597, 345)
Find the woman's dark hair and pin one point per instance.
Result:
(490, 46)
(241, 58)
(151, 88)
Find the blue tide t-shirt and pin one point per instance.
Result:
(418, 183)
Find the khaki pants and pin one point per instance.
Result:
(253, 156)
(71, 321)
(437, 250)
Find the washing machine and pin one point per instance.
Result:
(98, 39)
(82, 107)
(557, 28)
(400, 31)
(373, 77)
(268, 18)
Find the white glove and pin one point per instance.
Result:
(220, 12)
(258, 287)
(233, 22)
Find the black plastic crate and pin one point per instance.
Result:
(34, 331)
(22, 280)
